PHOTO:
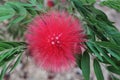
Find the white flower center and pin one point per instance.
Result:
(54, 39)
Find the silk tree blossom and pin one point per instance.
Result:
(53, 40)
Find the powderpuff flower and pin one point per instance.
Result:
(53, 40)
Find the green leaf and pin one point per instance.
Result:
(114, 54)
(114, 70)
(6, 12)
(3, 71)
(106, 56)
(5, 54)
(33, 1)
(115, 4)
(21, 11)
(114, 78)
(97, 70)
(4, 45)
(16, 62)
(37, 5)
(9, 45)
(109, 45)
(92, 48)
(11, 49)
(85, 65)
(78, 59)
(88, 1)
(14, 44)
(103, 30)
(110, 31)
(8, 54)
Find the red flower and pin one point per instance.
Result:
(50, 3)
(54, 38)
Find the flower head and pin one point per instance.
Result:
(50, 3)
(53, 39)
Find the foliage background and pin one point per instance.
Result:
(26, 70)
